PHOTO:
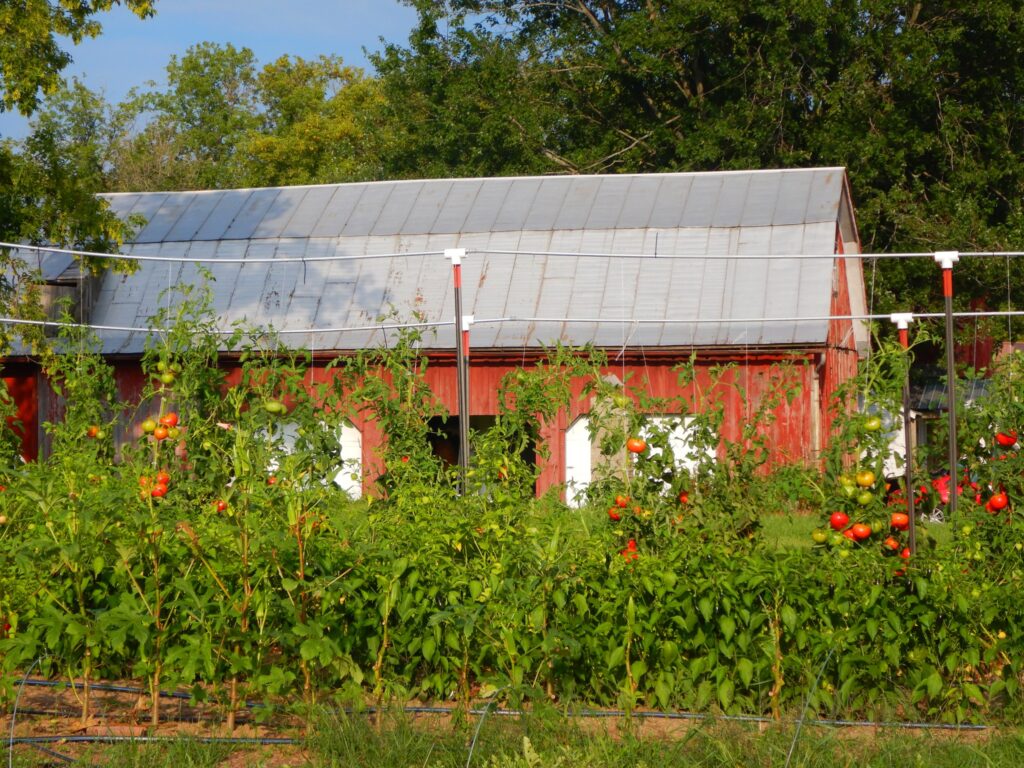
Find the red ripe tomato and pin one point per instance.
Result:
(1007, 439)
(905, 554)
(999, 501)
(631, 545)
(891, 544)
(861, 531)
(621, 501)
(92, 431)
(636, 445)
(160, 433)
(838, 520)
(849, 534)
(159, 490)
(221, 505)
(163, 478)
(684, 498)
(900, 521)
(614, 514)
(170, 420)
(272, 480)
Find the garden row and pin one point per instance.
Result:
(223, 558)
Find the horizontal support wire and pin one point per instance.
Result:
(14, 321)
(497, 252)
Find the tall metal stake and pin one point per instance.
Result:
(946, 259)
(902, 320)
(462, 379)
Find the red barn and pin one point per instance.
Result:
(652, 268)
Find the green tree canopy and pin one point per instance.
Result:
(923, 103)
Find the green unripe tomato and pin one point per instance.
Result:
(872, 424)
(167, 378)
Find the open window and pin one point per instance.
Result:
(583, 457)
(348, 475)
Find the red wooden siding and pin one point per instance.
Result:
(22, 385)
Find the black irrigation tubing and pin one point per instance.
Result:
(582, 713)
(70, 713)
(109, 688)
(111, 739)
(52, 753)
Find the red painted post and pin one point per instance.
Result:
(461, 364)
(946, 260)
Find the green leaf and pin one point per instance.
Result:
(728, 626)
(933, 684)
(974, 693)
(617, 656)
(638, 669)
(663, 692)
(745, 668)
(788, 617)
(725, 693)
(706, 608)
(310, 648)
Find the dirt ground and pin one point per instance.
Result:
(56, 712)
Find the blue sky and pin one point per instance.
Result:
(131, 52)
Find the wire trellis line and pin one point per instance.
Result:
(495, 252)
(14, 321)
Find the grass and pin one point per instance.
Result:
(549, 739)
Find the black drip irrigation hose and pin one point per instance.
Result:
(53, 753)
(263, 741)
(582, 713)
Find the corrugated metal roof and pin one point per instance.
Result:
(731, 213)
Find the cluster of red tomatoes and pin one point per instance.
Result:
(155, 487)
(844, 535)
(630, 552)
(166, 427)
